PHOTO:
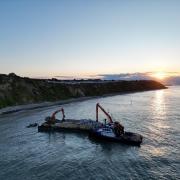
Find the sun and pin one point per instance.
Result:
(160, 75)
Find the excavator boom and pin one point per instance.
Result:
(53, 117)
(102, 109)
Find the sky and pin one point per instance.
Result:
(45, 38)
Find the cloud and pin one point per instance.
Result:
(127, 76)
(172, 79)
(63, 77)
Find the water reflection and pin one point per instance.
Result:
(156, 151)
(158, 114)
(159, 104)
(159, 109)
(30, 155)
(158, 125)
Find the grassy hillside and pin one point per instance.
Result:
(15, 90)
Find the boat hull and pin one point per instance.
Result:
(127, 138)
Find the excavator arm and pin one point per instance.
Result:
(53, 116)
(98, 106)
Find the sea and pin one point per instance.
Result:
(26, 154)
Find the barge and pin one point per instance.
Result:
(109, 131)
(83, 125)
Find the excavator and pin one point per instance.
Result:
(52, 118)
(117, 127)
(114, 131)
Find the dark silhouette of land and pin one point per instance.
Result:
(15, 90)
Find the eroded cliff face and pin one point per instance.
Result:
(15, 90)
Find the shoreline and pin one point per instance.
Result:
(18, 108)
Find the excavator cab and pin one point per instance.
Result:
(118, 129)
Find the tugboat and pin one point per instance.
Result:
(114, 131)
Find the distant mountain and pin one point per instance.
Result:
(126, 76)
(172, 80)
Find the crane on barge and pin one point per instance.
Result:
(98, 106)
(118, 128)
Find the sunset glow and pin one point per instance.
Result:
(85, 38)
(160, 75)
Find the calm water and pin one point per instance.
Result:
(26, 154)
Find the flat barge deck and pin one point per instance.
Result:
(85, 125)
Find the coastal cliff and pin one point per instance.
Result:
(15, 90)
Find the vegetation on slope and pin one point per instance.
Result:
(15, 90)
